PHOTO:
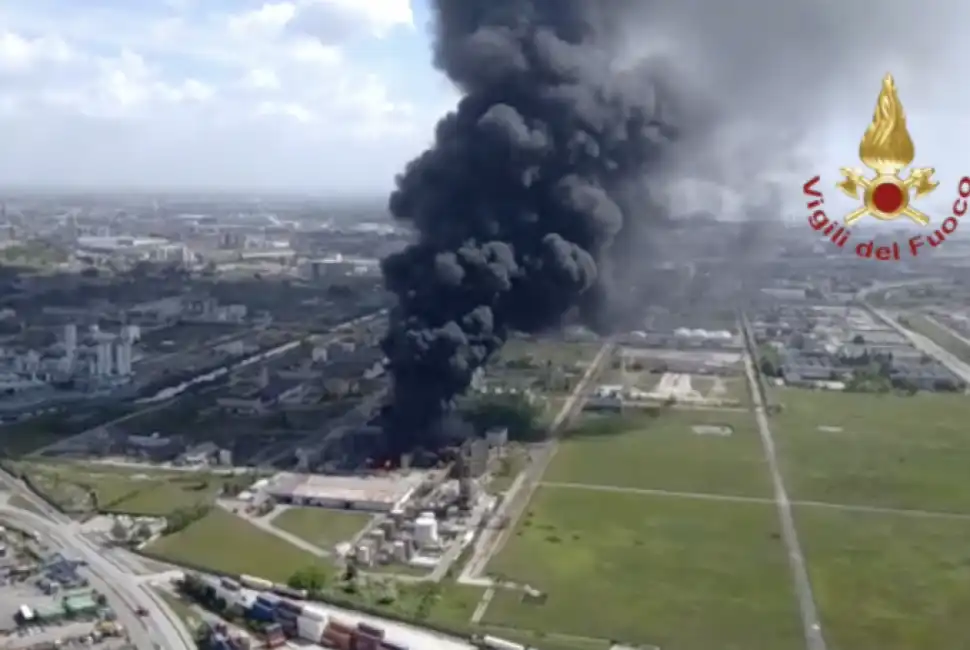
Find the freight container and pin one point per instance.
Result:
(390, 645)
(268, 600)
(299, 594)
(310, 629)
(277, 641)
(261, 613)
(255, 583)
(315, 613)
(341, 626)
(229, 584)
(365, 642)
(289, 606)
(495, 643)
(338, 641)
(370, 630)
(275, 627)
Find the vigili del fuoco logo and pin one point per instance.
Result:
(887, 193)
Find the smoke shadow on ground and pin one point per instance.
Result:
(604, 426)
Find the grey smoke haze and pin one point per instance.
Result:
(779, 84)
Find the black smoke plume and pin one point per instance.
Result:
(515, 205)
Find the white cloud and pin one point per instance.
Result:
(21, 54)
(184, 96)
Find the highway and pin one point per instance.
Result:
(958, 367)
(126, 593)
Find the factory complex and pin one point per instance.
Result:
(366, 492)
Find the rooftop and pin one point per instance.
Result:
(388, 488)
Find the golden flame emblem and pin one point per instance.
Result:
(887, 149)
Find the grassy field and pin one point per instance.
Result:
(252, 550)
(876, 450)
(543, 351)
(683, 574)
(122, 489)
(321, 527)
(937, 333)
(663, 452)
(71, 485)
(888, 581)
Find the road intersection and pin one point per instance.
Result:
(127, 593)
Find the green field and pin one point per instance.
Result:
(149, 492)
(875, 450)
(540, 352)
(886, 581)
(662, 452)
(223, 542)
(682, 574)
(321, 527)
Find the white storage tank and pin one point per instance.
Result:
(426, 530)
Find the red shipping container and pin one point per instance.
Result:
(340, 626)
(366, 642)
(339, 641)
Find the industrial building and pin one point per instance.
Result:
(370, 493)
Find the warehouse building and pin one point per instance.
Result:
(369, 493)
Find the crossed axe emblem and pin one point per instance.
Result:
(920, 182)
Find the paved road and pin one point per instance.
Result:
(960, 368)
(161, 630)
(796, 559)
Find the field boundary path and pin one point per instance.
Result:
(796, 559)
(525, 484)
(491, 540)
(738, 498)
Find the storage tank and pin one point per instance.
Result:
(426, 530)
(310, 629)
(400, 551)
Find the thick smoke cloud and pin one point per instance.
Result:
(544, 186)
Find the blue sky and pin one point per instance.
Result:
(332, 96)
(335, 96)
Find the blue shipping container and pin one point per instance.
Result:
(268, 599)
(290, 607)
(261, 613)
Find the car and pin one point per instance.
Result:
(141, 611)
